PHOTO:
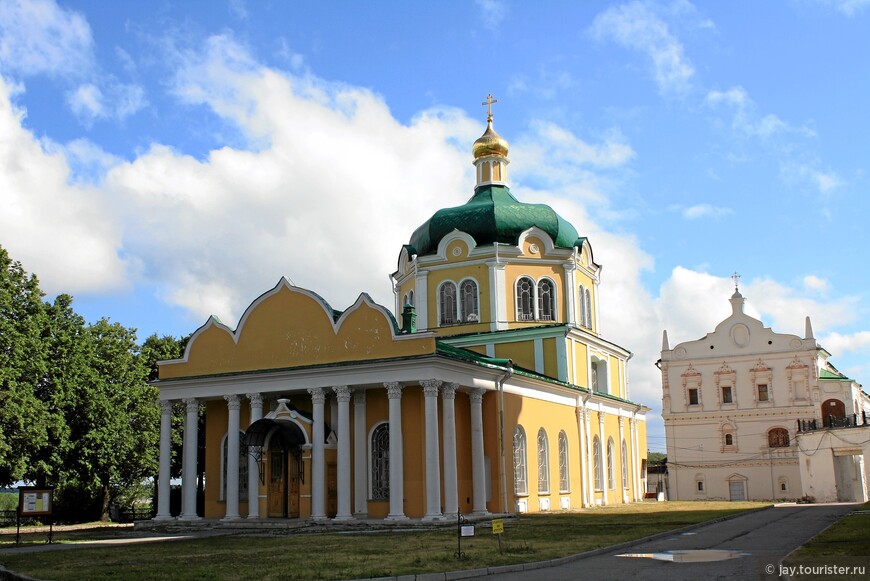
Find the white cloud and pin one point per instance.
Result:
(840, 343)
(704, 211)
(39, 37)
(847, 7)
(637, 27)
(89, 103)
(64, 233)
(822, 181)
(327, 169)
(816, 284)
(745, 118)
(239, 9)
(492, 12)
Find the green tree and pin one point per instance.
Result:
(23, 426)
(115, 430)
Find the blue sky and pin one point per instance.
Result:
(165, 161)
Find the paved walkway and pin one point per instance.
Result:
(743, 547)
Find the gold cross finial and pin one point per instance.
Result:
(489, 101)
(736, 278)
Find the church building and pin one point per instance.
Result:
(485, 388)
(751, 414)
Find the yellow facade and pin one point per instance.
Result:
(362, 415)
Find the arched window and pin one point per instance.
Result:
(582, 302)
(588, 309)
(520, 482)
(624, 467)
(543, 462)
(411, 297)
(546, 300)
(243, 468)
(447, 303)
(778, 438)
(610, 482)
(599, 375)
(525, 299)
(564, 481)
(381, 462)
(596, 463)
(729, 439)
(468, 301)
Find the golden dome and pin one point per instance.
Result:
(490, 143)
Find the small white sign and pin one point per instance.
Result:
(467, 531)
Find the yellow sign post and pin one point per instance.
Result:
(498, 529)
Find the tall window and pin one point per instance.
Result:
(520, 483)
(596, 463)
(582, 299)
(624, 467)
(729, 439)
(778, 438)
(762, 392)
(546, 300)
(525, 303)
(693, 396)
(599, 375)
(588, 309)
(468, 301)
(727, 396)
(610, 482)
(243, 468)
(564, 481)
(447, 302)
(411, 297)
(381, 462)
(543, 462)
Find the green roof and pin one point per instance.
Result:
(493, 214)
(826, 374)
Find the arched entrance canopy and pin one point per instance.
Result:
(288, 434)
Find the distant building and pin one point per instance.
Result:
(495, 393)
(758, 415)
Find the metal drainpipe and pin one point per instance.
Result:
(507, 375)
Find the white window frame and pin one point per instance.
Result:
(543, 462)
(520, 447)
(564, 466)
(443, 310)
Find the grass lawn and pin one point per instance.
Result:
(846, 543)
(349, 555)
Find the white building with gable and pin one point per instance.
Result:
(734, 404)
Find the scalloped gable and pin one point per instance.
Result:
(293, 327)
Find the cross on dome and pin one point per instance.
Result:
(736, 278)
(489, 101)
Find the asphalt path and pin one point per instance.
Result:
(755, 542)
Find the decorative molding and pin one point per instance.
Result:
(256, 399)
(430, 387)
(192, 405)
(342, 393)
(166, 406)
(448, 390)
(394, 389)
(233, 402)
(317, 395)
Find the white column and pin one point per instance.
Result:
(433, 456)
(253, 467)
(602, 451)
(590, 463)
(232, 498)
(163, 510)
(188, 469)
(570, 292)
(636, 467)
(360, 455)
(342, 394)
(582, 447)
(622, 461)
(397, 463)
(478, 468)
(451, 492)
(318, 455)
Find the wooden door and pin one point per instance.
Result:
(293, 488)
(833, 408)
(277, 493)
(331, 489)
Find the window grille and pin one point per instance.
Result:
(596, 463)
(520, 483)
(543, 462)
(381, 462)
(468, 301)
(546, 301)
(564, 481)
(447, 298)
(525, 305)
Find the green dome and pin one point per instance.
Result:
(493, 214)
